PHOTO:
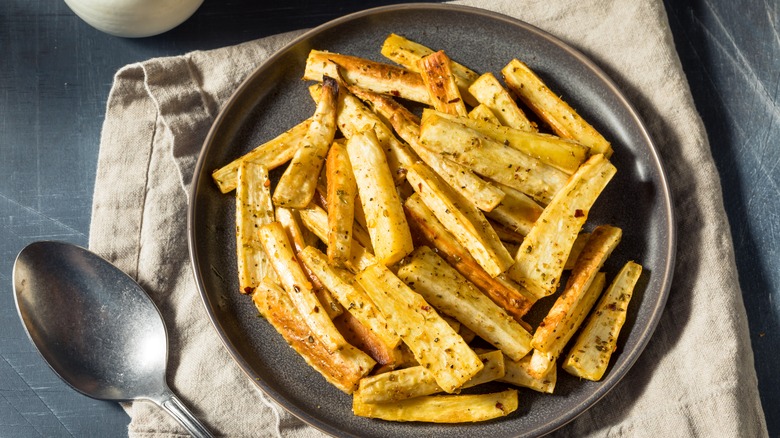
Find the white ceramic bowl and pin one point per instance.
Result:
(134, 18)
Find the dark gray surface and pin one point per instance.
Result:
(56, 71)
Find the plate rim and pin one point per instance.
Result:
(670, 250)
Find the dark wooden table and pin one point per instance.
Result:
(56, 71)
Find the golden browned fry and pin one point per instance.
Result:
(516, 211)
(253, 210)
(441, 285)
(431, 232)
(297, 285)
(484, 113)
(542, 361)
(375, 76)
(557, 324)
(407, 53)
(354, 117)
(518, 373)
(296, 187)
(367, 341)
(442, 408)
(290, 221)
(315, 219)
(343, 286)
(483, 194)
(560, 153)
(342, 190)
(270, 154)
(390, 235)
(461, 218)
(343, 368)
(539, 262)
(435, 345)
(416, 381)
(440, 82)
(490, 158)
(576, 249)
(562, 118)
(591, 352)
(491, 93)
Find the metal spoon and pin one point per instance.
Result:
(96, 327)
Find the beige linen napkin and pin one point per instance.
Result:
(696, 377)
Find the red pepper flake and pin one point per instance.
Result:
(578, 213)
(248, 290)
(426, 308)
(267, 183)
(500, 406)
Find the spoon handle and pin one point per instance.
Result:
(171, 403)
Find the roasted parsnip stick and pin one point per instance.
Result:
(557, 324)
(441, 285)
(442, 408)
(343, 368)
(390, 235)
(461, 218)
(440, 82)
(430, 231)
(341, 194)
(591, 352)
(416, 381)
(297, 185)
(542, 255)
(253, 210)
(298, 287)
(270, 154)
(562, 118)
(491, 93)
(434, 343)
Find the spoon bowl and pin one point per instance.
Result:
(95, 326)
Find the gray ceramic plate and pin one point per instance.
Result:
(273, 99)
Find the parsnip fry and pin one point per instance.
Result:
(441, 285)
(315, 219)
(344, 287)
(492, 94)
(501, 290)
(297, 185)
(591, 352)
(483, 194)
(484, 113)
(253, 209)
(542, 361)
(490, 158)
(342, 191)
(291, 224)
(361, 337)
(542, 255)
(442, 408)
(416, 381)
(270, 154)
(560, 153)
(516, 211)
(407, 53)
(440, 82)
(556, 325)
(390, 235)
(518, 373)
(298, 287)
(375, 76)
(576, 249)
(343, 368)
(434, 343)
(354, 117)
(462, 218)
(562, 118)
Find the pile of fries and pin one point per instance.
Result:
(399, 254)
